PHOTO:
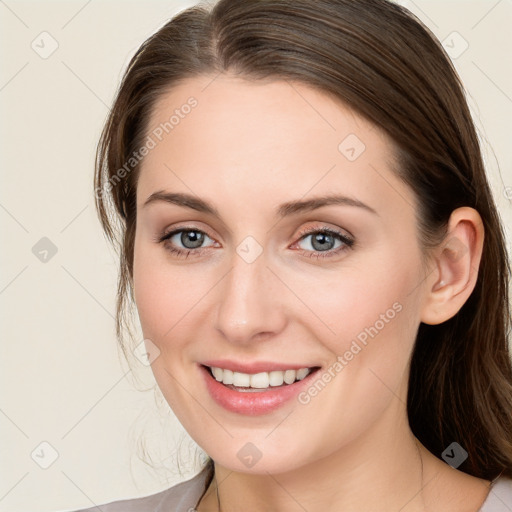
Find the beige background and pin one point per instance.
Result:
(61, 379)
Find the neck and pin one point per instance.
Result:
(380, 470)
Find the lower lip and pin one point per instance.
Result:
(253, 403)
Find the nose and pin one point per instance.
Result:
(249, 308)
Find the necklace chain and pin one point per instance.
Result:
(217, 489)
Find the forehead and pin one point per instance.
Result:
(261, 136)
(259, 113)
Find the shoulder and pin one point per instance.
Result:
(500, 496)
(179, 498)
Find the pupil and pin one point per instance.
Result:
(322, 239)
(192, 237)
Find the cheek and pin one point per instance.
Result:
(159, 295)
(369, 304)
(168, 297)
(374, 317)
(164, 299)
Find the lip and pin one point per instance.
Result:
(253, 403)
(254, 367)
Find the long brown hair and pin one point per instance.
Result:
(381, 61)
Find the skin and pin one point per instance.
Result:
(248, 147)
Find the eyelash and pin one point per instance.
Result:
(347, 242)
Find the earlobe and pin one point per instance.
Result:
(456, 267)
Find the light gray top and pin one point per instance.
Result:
(184, 497)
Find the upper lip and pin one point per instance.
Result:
(254, 367)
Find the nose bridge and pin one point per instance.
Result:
(247, 303)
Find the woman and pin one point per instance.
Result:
(318, 266)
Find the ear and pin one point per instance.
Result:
(456, 262)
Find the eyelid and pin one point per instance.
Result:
(347, 240)
(301, 234)
(166, 233)
(326, 229)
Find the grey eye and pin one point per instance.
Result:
(189, 239)
(320, 241)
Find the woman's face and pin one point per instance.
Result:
(260, 286)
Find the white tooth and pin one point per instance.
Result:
(259, 380)
(289, 376)
(228, 377)
(217, 373)
(276, 378)
(302, 373)
(241, 379)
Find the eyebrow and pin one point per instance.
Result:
(284, 210)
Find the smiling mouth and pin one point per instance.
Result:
(258, 382)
